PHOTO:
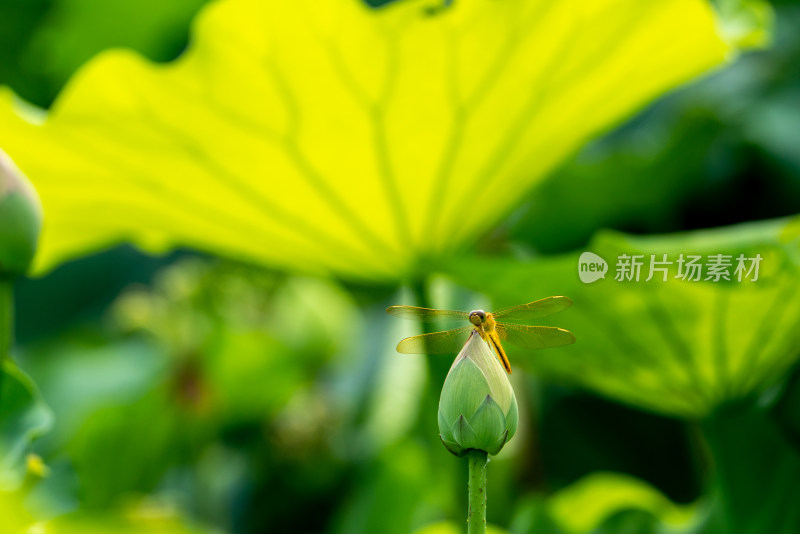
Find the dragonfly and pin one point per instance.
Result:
(492, 327)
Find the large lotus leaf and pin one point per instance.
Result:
(324, 136)
(675, 347)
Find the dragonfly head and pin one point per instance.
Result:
(477, 317)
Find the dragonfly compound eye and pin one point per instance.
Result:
(477, 317)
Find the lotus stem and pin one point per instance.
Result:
(6, 321)
(476, 519)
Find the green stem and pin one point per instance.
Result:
(428, 426)
(438, 367)
(6, 317)
(476, 519)
(6, 321)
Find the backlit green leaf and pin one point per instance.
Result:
(675, 347)
(328, 137)
(586, 504)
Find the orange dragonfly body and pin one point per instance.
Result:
(492, 328)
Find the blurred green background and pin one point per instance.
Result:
(193, 393)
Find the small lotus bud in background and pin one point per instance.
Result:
(477, 409)
(20, 219)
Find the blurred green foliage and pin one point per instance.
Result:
(23, 417)
(46, 41)
(192, 394)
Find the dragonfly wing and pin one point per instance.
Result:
(534, 337)
(534, 310)
(447, 342)
(426, 314)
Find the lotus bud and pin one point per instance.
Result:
(478, 408)
(20, 219)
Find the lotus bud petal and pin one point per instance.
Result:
(20, 219)
(477, 409)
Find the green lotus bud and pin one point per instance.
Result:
(20, 219)
(477, 409)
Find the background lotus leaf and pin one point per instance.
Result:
(676, 347)
(329, 137)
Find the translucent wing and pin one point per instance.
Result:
(426, 314)
(534, 310)
(534, 337)
(447, 342)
